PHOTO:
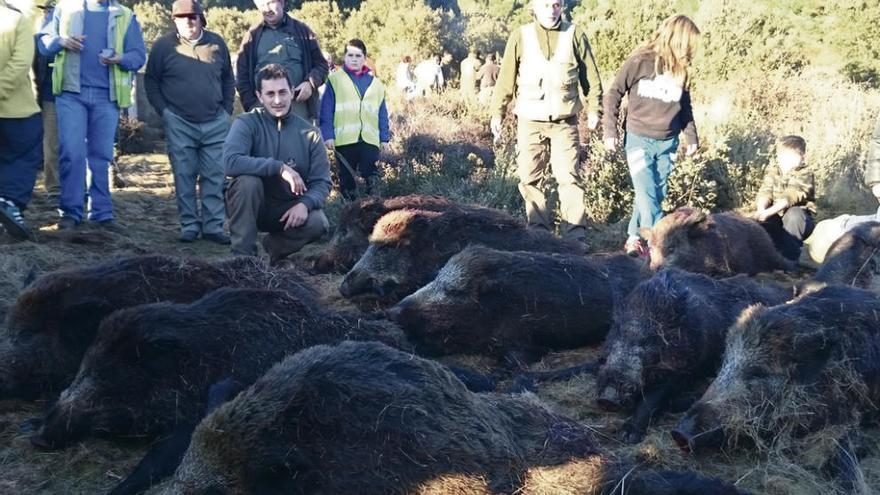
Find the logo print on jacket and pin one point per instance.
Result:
(662, 87)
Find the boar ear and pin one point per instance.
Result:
(699, 224)
(371, 209)
(647, 234)
(810, 351)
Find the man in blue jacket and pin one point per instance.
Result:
(98, 47)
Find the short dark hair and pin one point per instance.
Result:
(793, 143)
(271, 72)
(357, 44)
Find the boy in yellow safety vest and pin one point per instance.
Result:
(354, 119)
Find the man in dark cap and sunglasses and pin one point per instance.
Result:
(189, 81)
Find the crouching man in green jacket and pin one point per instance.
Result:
(281, 174)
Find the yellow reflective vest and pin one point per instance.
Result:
(547, 89)
(68, 63)
(356, 116)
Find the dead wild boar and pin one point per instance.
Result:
(853, 259)
(365, 418)
(54, 320)
(668, 337)
(792, 369)
(717, 244)
(408, 248)
(485, 301)
(150, 367)
(356, 222)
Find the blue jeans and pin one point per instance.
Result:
(86, 129)
(650, 163)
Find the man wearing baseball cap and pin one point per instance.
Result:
(189, 82)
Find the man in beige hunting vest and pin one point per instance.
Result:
(549, 66)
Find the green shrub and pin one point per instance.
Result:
(617, 27)
(399, 27)
(232, 24)
(744, 39)
(325, 19)
(155, 20)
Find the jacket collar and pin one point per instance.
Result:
(364, 70)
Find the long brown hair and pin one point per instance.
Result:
(673, 45)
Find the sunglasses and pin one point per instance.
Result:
(191, 17)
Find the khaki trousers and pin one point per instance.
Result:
(562, 137)
(249, 213)
(50, 148)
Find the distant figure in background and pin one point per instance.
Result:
(331, 65)
(429, 76)
(21, 128)
(487, 75)
(189, 82)
(98, 49)
(786, 202)
(468, 78)
(404, 78)
(872, 165)
(46, 100)
(657, 81)
(354, 120)
(281, 39)
(548, 64)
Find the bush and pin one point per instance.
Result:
(394, 28)
(616, 28)
(231, 24)
(744, 39)
(325, 19)
(155, 20)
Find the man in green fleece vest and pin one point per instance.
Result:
(280, 170)
(549, 66)
(189, 82)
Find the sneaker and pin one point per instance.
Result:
(67, 223)
(188, 236)
(217, 237)
(13, 222)
(635, 247)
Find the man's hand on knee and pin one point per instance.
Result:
(293, 179)
(295, 216)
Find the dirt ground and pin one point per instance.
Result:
(147, 213)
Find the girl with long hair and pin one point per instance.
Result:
(657, 81)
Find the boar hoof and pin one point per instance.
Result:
(630, 434)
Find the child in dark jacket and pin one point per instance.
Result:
(786, 201)
(354, 120)
(656, 79)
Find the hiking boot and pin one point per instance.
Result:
(217, 238)
(188, 236)
(13, 222)
(67, 223)
(635, 247)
